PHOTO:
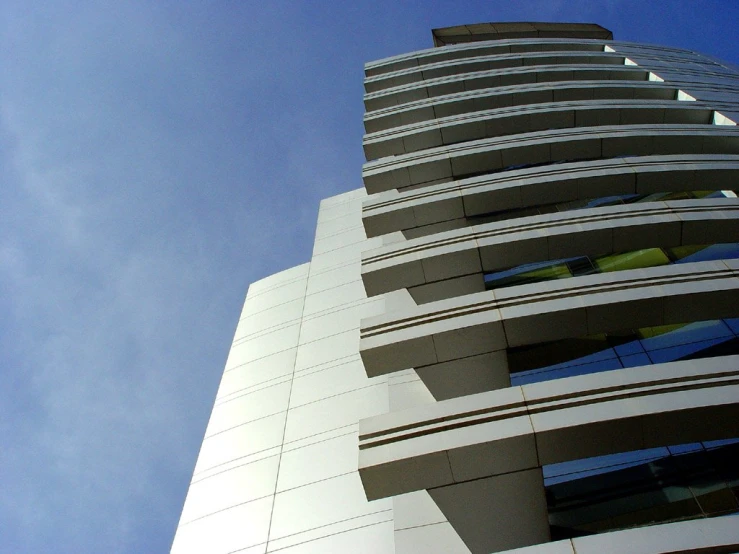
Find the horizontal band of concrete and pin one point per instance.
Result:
(458, 51)
(497, 78)
(467, 102)
(577, 55)
(483, 454)
(499, 122)
(490, 322)
(588, 232)
(485, 63)
(513, 190)
(446, 163)
(529, 426)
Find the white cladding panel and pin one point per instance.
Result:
(278, 466)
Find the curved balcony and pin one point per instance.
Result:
(716, 82)
(518, 95)
(420, 212)
(486, 63)
(475, 100)
(471, 335)
(588, 232)
(446, 163)
(510, 46)
(517, 76)
(430, 56)
(482, 454)
(502, 61)
(499, 122)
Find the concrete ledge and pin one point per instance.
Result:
(476, 454)
(468, 102)
(499, 122)
(587, 232)
(446, 163)
(492, 321)
(392, 211)
(705, 536)
(495, 78)
(456, 51)
(578, 55)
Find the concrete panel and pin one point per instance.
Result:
(476, 509)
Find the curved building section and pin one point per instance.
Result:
(456, 329)
(482, 48)
(521, 335)
(559, 258)
(539, 117)
(521, 192)
(578, 55)
(499, 154)
(477, 457)
(517, 95)
(593, 233)
(400, 95)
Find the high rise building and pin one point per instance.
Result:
(521, 333)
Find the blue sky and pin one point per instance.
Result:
(156, 157)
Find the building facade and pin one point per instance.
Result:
(521, 334)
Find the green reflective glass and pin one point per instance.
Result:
(650, 332)
(560, 271)
(638, 259)
(680, 252)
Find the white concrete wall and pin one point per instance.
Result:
(278, 465)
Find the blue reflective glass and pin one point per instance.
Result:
(641, 488)
(684, 448)
(713, 252)
(733, 324)
(602, 355)
(681, 351)
(635, 360)
(693, 332)
(633, 347)
(576, 469)
(716, 444)
(560, 371)
(687, 341)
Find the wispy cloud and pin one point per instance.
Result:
(155, 158)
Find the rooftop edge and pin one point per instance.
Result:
(497, 31)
